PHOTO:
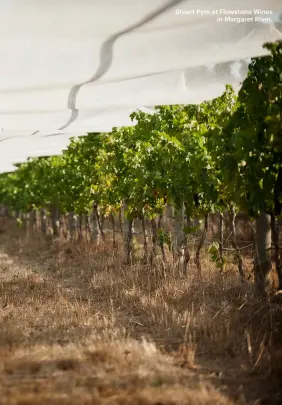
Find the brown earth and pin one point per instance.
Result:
(79, 327)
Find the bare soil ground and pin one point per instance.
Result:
(79, 327)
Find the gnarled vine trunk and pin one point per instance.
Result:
(55, 220)
(100, 220)
(71, 225)
(154, 241)
(127, 234)
(160, 237)
(178, 236)
(200, 246)
(238, 254)
(277, 254)
(145, 239)
(221, 240)
(112, 217)
(86, 226)
(43, 221)
(187, 256)
(263, 254)
(79, 226)
(94, 227)
(32, 220)
(120, 220)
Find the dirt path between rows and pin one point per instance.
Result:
(69, 338)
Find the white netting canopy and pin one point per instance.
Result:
(68, 67)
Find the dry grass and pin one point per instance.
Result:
(80, 327)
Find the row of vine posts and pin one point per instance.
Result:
(162, 234)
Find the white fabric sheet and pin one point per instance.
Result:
(76, 66)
